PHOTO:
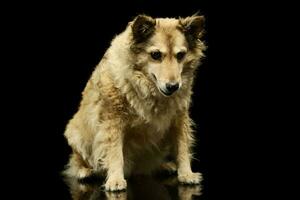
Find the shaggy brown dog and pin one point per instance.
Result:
(134, 109)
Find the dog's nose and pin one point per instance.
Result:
(172, 87)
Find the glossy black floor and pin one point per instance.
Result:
(139, 187)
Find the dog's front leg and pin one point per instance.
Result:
(184, 142)
(109, 153)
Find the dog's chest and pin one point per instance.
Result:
(153, 131)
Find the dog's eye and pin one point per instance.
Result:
(156, 55)
(180, 55)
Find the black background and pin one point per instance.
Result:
(56, 46)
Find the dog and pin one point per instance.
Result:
(134, 113)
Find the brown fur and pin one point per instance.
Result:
(125, 123)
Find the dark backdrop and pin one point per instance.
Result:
(55, 48)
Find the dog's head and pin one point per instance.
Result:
(165, 49)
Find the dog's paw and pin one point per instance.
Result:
(190, 178)
(115, 184)
(116, 195)
(169, 167)
(84, 173)
(187, 192)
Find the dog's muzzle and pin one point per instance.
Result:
(169, 88)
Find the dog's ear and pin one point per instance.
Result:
(142, 28)
(193, 26)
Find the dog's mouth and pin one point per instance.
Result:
(154, 77)
(165, 93)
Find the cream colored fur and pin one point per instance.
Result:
(124, 124)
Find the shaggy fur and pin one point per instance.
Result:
(126, 124)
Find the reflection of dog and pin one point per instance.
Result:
(144, 187)
(134, 109)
